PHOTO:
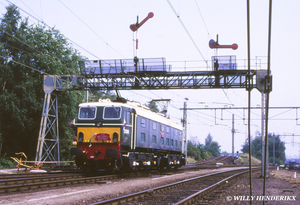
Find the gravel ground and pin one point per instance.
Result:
(89, 193)
(280, 184)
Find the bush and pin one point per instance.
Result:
(190, 160)
(6, 162)
(244, 159)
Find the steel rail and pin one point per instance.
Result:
(50, 183)
(34, 179)
(196, 196)
(141, 194)
(32, 174)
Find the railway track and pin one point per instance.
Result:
(183, 192)
(30, 174)
(23, 182)
(31, 181)
(215, 160)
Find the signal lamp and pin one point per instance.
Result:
(74, 141)
(80, 137)
(115, 137)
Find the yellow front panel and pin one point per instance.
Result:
(92, 131)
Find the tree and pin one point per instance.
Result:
(200, 151)
(27, 52)
(95, 95)
(14, 84)
(193, 151)
(212, 146)
(256, 148)
(197, 151)
(208, 141)
(225, 153)
(279, 149)
(153, 106)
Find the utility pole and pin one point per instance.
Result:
(262, 133)
(86, 96)
(273, 150)
(232, 136)
(184, 124)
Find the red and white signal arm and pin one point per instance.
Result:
(214, 44)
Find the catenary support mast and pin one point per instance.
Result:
(48, 140)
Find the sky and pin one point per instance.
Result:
(99, 29)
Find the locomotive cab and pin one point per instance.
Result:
(98, 136)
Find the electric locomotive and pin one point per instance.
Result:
(126, 136)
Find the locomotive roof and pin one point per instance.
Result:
(141, 110)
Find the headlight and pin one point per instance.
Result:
(135, 163)
(115, 137)
(80, 137)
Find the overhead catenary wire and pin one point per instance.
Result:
(79, 46)
(191, 36)
(42, 55)
(30, 9)
(30, 46)
(188, 33)
(220, 119)
(229, 99)
(222, 126)
(22, 64)
(25, 11)
(90, 28)
(198, 117)
(37, 19)
(202, 18)
(53, 28)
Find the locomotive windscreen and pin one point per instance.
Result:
(112, 113)
(87, 113)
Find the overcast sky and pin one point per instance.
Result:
(101, 29)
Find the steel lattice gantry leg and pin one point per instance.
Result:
(48, 141)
